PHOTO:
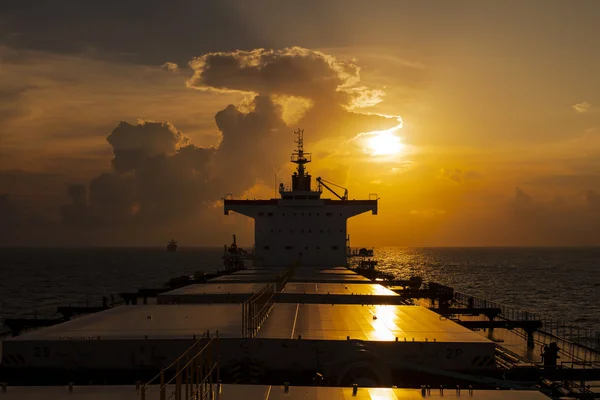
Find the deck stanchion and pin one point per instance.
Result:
(178, 383)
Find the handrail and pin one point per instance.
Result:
(283, 278)
(194, 378)
(585, 339)
(256, 309)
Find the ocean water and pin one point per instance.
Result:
(562, 283)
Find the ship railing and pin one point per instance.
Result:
(355, 252)
(283, 278)
(256, 310)
(194, 373)
(580, 343)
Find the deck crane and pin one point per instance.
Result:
(323, 182)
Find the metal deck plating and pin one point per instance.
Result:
(262, 392)
(205, 293)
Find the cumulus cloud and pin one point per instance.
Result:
(134, 143)
(159, 178)
(157, 175)
(291, 72)
(170, 67)
(328, 84)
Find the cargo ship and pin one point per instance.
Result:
(172, 246)
(299, 324)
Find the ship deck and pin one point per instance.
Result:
(343, 330)
(144, 322)
(372, 289)
(286, 321)
(369, 323)
(261, 392)
(203, 293)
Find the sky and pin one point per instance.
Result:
(125, 123)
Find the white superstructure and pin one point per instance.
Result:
(301, 227)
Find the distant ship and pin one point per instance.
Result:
(172, 246)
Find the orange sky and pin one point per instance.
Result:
(500, 111)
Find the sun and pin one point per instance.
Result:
(383, 143)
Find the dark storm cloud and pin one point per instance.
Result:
(157, 174)
(133, 144)
(159, 178)
(253, 144)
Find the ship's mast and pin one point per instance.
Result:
(300, 179)
(298, 156)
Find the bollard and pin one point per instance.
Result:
(3, 386)
(286, 387)
(70, 386)
(354, 390)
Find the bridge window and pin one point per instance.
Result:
(309, 231)
(266, 247)
(321, 230)
(334, 247)
(283, 214)
(309, 214)
(318, 247)
(271, 214)
(272, 231)
(261, 214)
(305, 247)
(329, 214)
(289, 247)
